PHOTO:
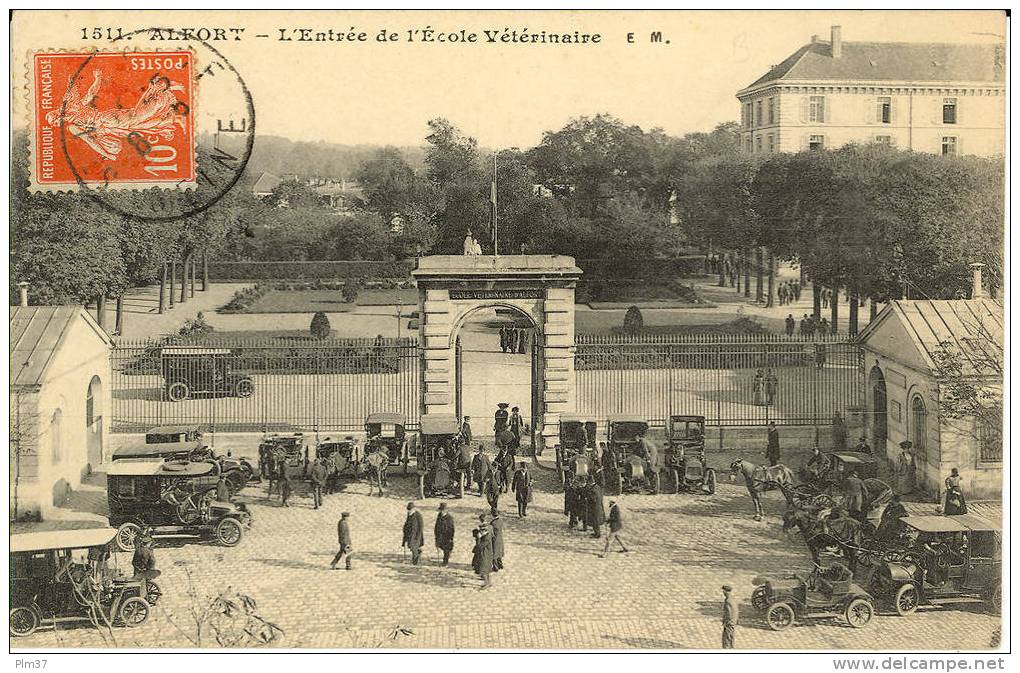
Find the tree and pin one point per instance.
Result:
(452, 167)
(320, 327)
(294, 194)
(633, 323)
(388, 183)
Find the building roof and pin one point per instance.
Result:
(61, 539)
(891, 61)
(37, 333)
(965, 324)
(266, 183)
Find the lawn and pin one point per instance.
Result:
(327, 301)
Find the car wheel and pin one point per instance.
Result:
(779, 616)
(244, 388)
(759, 598)
(710, 481)
(152, 592)
(134, 611)
(228, 532)
(906, 599)
(23, 621)
(127, 534)
(859, 612)
(177, 391)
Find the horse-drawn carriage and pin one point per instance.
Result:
(685, 455)
(438, 453)
(289, 448)
(834, 467)
(575, 452)
(341, 454)
(385, 431)
(636, 471)
(63, 576)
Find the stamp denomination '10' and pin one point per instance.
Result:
(113, 118)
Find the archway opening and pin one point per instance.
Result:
(879, 407)
(94, 423)
(497, 360)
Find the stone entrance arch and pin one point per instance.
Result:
(451, 288)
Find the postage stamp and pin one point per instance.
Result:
(117, 119)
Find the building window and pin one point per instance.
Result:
(885, 110)
(772, 143)
(884, 140)
(948, 110)
(816, 143)
(750, 149)
(93, 399)
(816, 109)
(772, 110)
(761, 119)
(749, 115)
(948, 145)
(758, 144)
(919, 429)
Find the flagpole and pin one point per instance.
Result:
(495, 210)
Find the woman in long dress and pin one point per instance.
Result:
(955, 502)
(759, 389)
(906, 470)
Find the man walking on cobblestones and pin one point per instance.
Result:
(729, 617)
(414, 535)
(596, 511)
(483, 554)
(522, 488)
(480, 468)
(318, 481)
(444, 532)
(343, 534)
(498, 547)
(284, 487)
(615, 526)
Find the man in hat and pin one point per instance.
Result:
(143, 562)
(482, 559)
(414, 535)
(465, 431)
(498, 527)
(481, 467)
(318, 476)
(570, 502)
(284, 486)
(730, 614)
(594, 507)
(343, 534)
(522, 488)
(444, 532)
(501, 418)
(772, 452)
(615, 526)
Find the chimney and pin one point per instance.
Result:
(23, 290)
(976, 292)
(837, 42)
(814, 39)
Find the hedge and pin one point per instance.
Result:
(327, 269)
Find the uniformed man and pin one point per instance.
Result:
(729, 617)
(414, 536)
(522, 488)
(343, 534)
(596, 513)
(444, 532)
(483, 555)
(481, 468)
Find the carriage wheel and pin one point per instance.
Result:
(134, 611)
(906, 600)
(127, 535)
(859, 612)
(759, 597)
(421, 486)
(779, 616)
(177, 391)
(244, 388)
(23, 621)
(710, 481)
(152, 592)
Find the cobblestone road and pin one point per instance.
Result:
(555, 592)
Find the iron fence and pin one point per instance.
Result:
(231, 385)
(734, 380)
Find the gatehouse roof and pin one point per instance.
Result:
(37, 335)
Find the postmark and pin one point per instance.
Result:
(114, 118)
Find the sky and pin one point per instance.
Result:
(504, 95)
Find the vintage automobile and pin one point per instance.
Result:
(953, 557)
(290, 448)
(173, 434)
(634, 470)
(439, 458)
(685, 455)
(342, 454)
(237, 471)
(824, 593)
(190, 370)
(172, 500)
(575, 452)
(64, 576)
(386, 430)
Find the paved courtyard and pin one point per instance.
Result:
(555, 592)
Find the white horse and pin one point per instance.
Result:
(759, 479)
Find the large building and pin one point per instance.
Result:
(935, 98)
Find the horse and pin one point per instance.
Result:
(375, 464)
(759, 479)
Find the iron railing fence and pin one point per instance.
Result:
(231, 385)
(731, 380)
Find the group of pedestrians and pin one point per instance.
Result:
(809, 326)
(513, 339)
(764, 387)
(583, 504)
(788, 292)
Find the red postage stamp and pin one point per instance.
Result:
(119, 119)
